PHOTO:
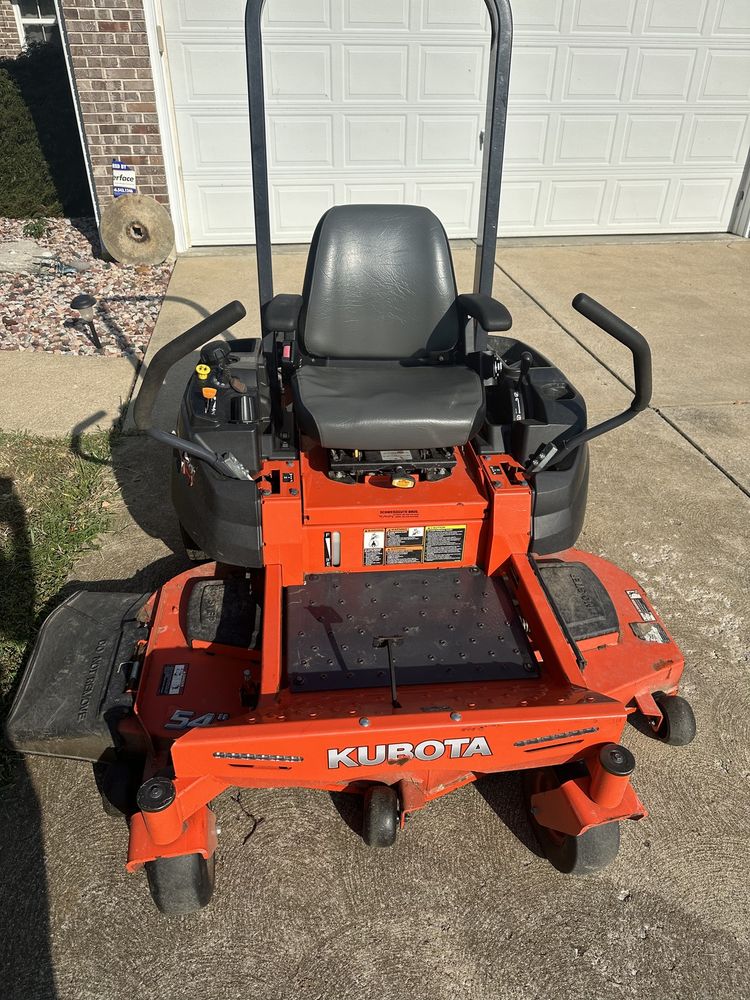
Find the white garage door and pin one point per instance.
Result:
(626, 115)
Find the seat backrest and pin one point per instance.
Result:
(379, 284)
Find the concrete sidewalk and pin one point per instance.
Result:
(461, 906)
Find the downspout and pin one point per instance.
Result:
(77, 109)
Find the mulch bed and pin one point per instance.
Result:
(34, 308)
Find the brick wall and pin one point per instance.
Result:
(111, 66)
(10, 44)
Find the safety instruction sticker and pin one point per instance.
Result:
(173, 678)
(640, 606)
(444, 543)
(404, 545)
(650, 632)
(373, 545)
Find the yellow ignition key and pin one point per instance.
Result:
(202, 371)
(402, 481)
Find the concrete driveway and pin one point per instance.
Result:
(462, 906)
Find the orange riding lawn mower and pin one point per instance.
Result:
(381, 502)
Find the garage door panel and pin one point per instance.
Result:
(297, 14)
(714, 139)
(544, 16)
(585, 139)
(733, 18)
(727, 77)
(639, 202)
(451, 73)
(448, 140)
(664, 75)
(684, 17)
(362, 15)
(624, 115)
(219, 210)
(532, 74)
(455, 14)
(214, 139)
(519, 203)
(451, 201)
(526, 140)
(297, 208)
(375, 73)
(375, 194)
(375, 139)
(296, 74)
(702, 199)
(604, 15)
(202, 15)
(296, 140)
(651, 138)
(195, 79)
(594, 74)
(575, 203)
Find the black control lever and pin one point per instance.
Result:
(556, 451)
(225, 465)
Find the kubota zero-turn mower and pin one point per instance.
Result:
(386, 600)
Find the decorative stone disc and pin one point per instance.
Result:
(136, 229)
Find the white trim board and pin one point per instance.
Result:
(167, 130)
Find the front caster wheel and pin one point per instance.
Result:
(582, 855)
(181, 885)
(677, 727)
(380, 823)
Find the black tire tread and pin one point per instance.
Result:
(182, 884)
(380, 819)
(678, 726)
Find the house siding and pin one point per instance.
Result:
(10, 44)
(110, 58)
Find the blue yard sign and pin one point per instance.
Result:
(123, 179)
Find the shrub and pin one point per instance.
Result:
(41, 161)
(36, 228)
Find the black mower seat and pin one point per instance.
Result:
(381, 335)
(389, 408)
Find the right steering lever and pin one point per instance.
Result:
(556, 451)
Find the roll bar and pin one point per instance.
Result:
(501, 27)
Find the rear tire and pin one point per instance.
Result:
(181, 885)
(192, 551)
(380, 824)
(678, 725)
(583, 855)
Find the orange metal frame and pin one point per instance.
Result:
(443, 735)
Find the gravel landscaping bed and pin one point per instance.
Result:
(34, 308)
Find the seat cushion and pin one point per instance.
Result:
(389, 407)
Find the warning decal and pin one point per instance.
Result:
(650, 631)
(373, 545)
(402, 546)
(445, 543)
(173, 678)
(641, 606)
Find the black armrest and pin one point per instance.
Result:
(281, 314)
(491, 315)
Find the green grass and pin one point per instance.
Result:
(53, 507)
